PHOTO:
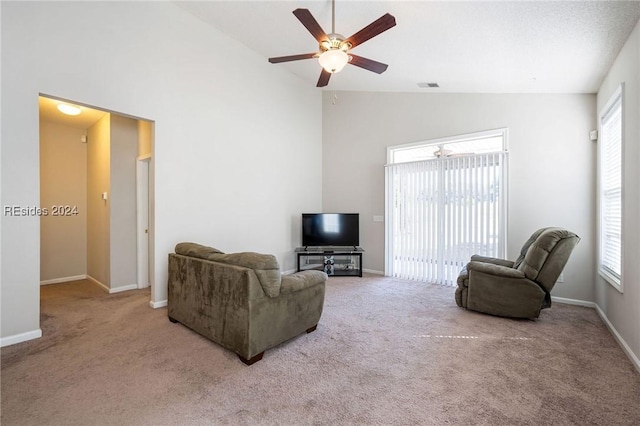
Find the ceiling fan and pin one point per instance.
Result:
(334, 49)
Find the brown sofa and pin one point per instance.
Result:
(240, 300)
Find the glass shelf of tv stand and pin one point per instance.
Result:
(334, 261)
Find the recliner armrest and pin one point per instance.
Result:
(498, 290)
(493, 269)
(493, 260)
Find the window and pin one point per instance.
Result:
(445, 201)
(610, 191)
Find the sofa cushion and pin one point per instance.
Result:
(195, 250)
(249, 260)
(264, 265)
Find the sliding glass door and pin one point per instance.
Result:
(446, 206)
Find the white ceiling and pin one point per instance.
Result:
(466, 47)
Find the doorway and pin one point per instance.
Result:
(100, 187)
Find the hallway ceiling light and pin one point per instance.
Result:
(69, 109)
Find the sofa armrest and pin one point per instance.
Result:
(498, 290)
(301, 280)
(493, 260)
(495, 270)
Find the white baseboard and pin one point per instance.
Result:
(64, 279)
(573, 302)
(156, 305)
(112, 290)
(19, 338)
(289, 271)
(123, 288)
(625, 347)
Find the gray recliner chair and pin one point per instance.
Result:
(519, 289)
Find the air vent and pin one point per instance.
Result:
(428, 85)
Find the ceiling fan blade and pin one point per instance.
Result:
(378, 26)
(368, 64)
(310, 23)
(291, 58)
(324, 78)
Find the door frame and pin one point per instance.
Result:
(143, 191)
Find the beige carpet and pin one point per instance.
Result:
(385, 352)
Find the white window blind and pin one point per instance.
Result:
(443, 210)
(610, 193)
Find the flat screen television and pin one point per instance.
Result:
(330, 229)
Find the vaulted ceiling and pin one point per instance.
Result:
(473, 46)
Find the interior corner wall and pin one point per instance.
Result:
(63, 183)
(122, 214)
(145, 138)
(551, 162)
(623, 309)
(237, 153)
(98, 217)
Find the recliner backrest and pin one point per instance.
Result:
(547, 255)
(525, 247)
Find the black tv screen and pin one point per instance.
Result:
(330, 229)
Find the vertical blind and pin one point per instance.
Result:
(611, 191)
(443, 210)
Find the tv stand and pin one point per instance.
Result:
(334, 261)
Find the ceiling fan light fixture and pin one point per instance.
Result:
(333, 60)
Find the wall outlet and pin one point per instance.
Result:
(378, 218)
(560, 278)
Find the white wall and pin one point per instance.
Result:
(98, 217)
(123, 223)
(551, 162)
(237, 152)
(63, 182)
(623, 309)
